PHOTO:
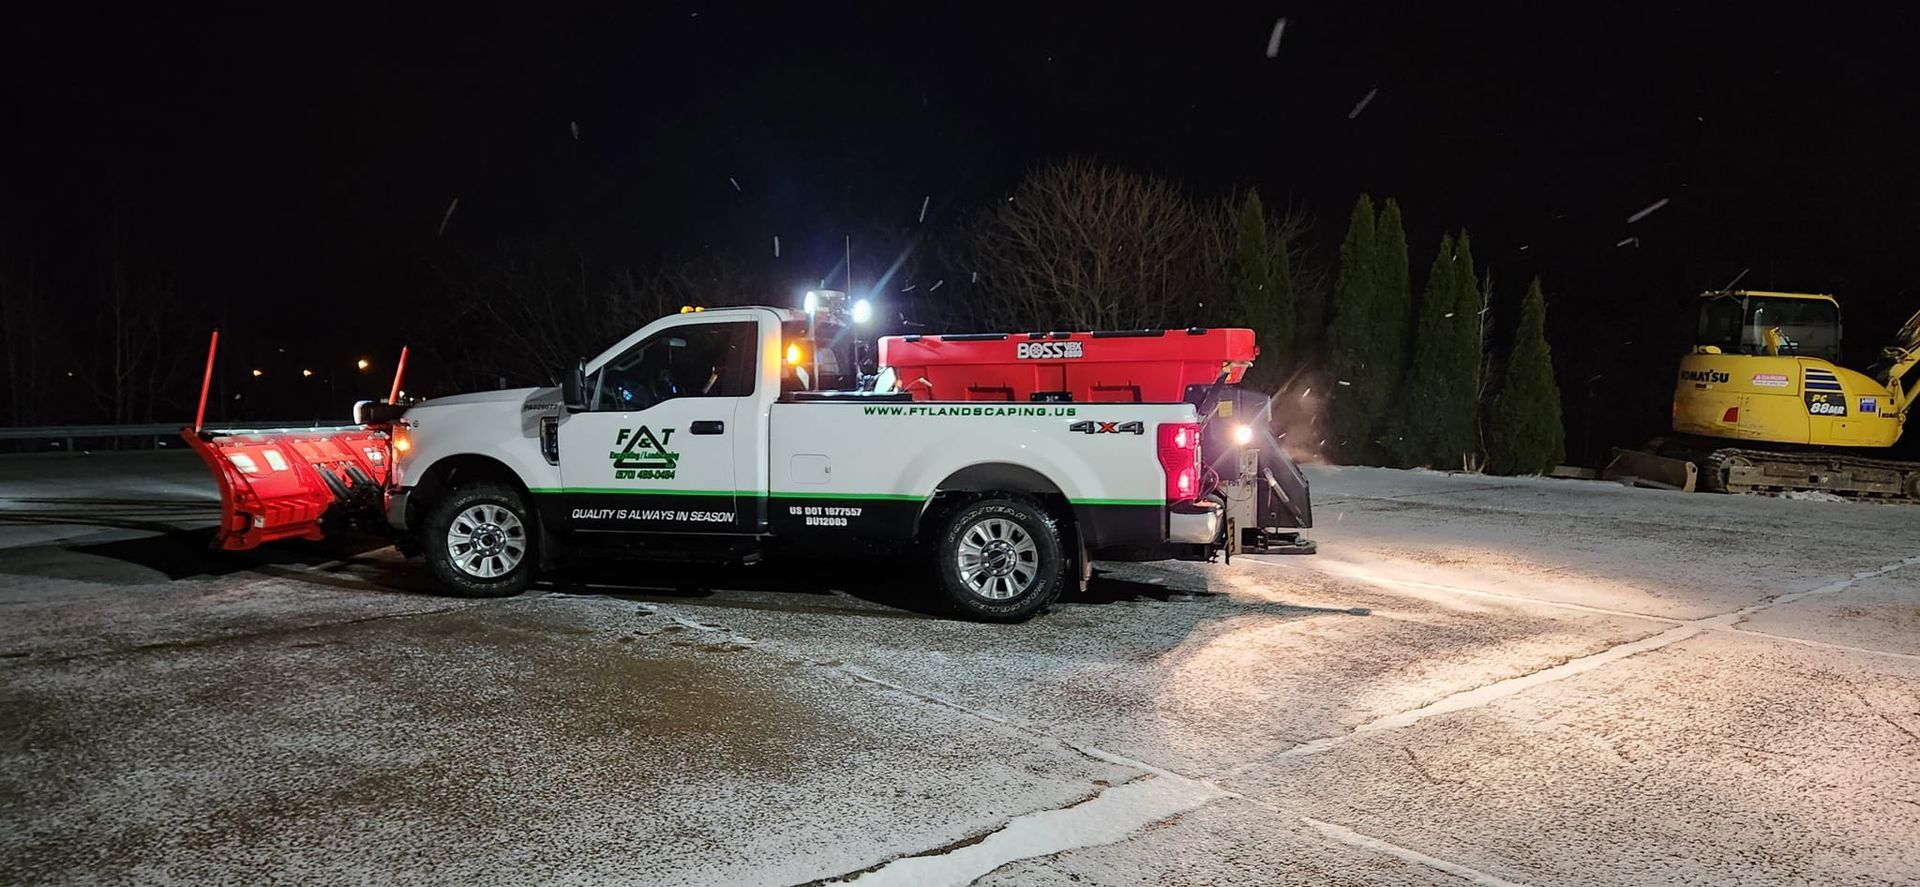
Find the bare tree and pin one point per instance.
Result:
(139, 341)
(25, 330)
(1085, 246)
(1488, 369)
(525, 311)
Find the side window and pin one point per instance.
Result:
(695, 360)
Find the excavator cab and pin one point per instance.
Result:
(1770, 324)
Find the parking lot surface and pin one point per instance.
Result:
(1482, 680)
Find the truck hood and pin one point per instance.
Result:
(529, 398)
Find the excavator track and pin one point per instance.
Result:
(1751, 470)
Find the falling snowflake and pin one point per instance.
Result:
(1273, 40)
(1648, 211)
(575, 125)
(776, 246)
(448, 217)
(736, 183)
(1635, 241)
(1364, 102)
(923, 207)
(1350, 384)
(936, 284)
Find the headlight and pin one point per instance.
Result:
(1242, 434)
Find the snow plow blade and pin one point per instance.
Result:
(292, 483)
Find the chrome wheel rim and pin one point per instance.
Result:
(998, 559)
(486, 541)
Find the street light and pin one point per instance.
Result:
(363, 363)
(257, 374)
(306, 374)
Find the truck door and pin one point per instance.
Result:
(654, 451)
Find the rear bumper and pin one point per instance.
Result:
(1194, 523)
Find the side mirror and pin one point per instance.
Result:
(573, 388)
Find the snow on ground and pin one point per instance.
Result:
(1494, 680)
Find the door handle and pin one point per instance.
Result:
(708, 426)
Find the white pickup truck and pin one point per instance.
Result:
(714, 434)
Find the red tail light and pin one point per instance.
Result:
(1731, 416)
(1180, 458)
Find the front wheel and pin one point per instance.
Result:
(480, 541)
(1000, 560)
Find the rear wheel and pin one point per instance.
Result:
(1000, 559)
(480, 541)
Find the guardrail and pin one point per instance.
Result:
(63, 437)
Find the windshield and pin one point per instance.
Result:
(1738, 325)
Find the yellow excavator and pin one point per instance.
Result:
(1760, 405)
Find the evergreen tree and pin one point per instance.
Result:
(1394, 311)
(1439, 419)
(1527, 435)
(1263, 294)
(1459, 386)
(1410, 431)
(1354, 334)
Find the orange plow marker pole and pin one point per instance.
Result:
(398, 372)
(206, 382)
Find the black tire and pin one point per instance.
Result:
(491, 498)
(1026, 591)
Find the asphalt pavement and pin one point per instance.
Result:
(1481, 680)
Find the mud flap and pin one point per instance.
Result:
(292, 484)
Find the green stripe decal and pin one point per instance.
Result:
(867, 497)
(796, 494)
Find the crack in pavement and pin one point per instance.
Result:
(1824, 645)
(1352, 838)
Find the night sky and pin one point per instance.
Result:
(293, 163)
